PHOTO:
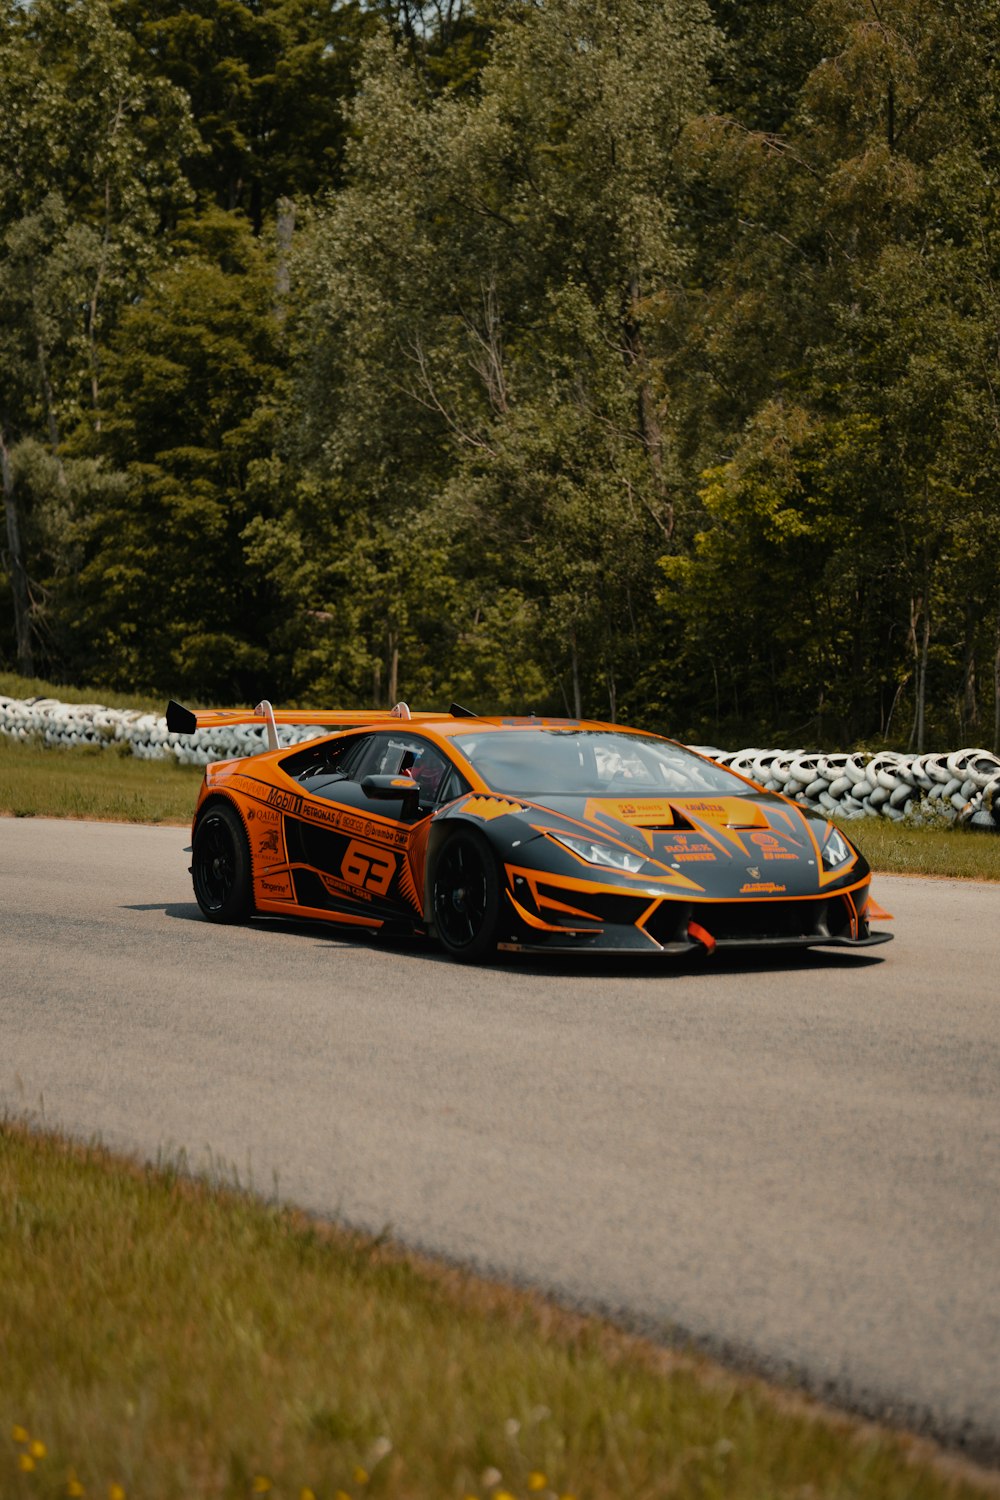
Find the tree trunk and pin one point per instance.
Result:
(970, 704)
(920, 615)
(996, 694)
(575, 667)
(393, 668)
(18, 576)
(648, 419)
(282, 276)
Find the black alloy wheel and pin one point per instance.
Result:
(465, 896)
(220, 865)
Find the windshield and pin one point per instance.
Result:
(592, 763)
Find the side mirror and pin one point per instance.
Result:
(393, 789)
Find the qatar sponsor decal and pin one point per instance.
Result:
(265, 815)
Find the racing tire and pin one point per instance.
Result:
(465, 896)
(220, 866)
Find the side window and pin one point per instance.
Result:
(406, 755)
(320, 759)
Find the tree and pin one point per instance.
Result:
(164, 593)
(853, 292)
(268, 81)
(476, 337)
(88, 171)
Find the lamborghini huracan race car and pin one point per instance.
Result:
(516, 834)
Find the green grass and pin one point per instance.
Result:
(89, 782)
(897, 849)
(82, 783)
(36, 781)
(179, 1340)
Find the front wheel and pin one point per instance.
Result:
(220, 865)
(465, 896)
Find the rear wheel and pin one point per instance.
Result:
(465, 896)
(220, 865)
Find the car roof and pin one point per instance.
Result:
(448, 728)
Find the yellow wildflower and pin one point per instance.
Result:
(74, 1489)
(503, 1495)
(360, 1475)
(306, 1493)
(261, 1484)
(25, 1463)
(341, 1495)
(37, 1448)
(537, 1480)
(19, 1434)
(115, 1491)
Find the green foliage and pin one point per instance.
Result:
(847, 308)
(475, 340)
(636, 359)
(163, 591)
(267, 81)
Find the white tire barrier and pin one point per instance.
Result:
(962, 787)
(144, 735)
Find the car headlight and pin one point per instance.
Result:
(836, 851)
(610, 855)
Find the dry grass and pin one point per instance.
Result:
(175, 1339)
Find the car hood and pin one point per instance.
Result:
(754, 845)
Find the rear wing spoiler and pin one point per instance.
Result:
(181, 720)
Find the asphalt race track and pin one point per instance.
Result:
(794, 1163)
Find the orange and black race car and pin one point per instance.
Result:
(516, 834)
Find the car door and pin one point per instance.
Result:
(347, 850)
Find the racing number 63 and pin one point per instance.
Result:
(368, 867)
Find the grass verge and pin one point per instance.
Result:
(896, 849)
(36, 781)
(90, 782)
(164, 1338)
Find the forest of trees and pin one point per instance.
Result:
(630, 358)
